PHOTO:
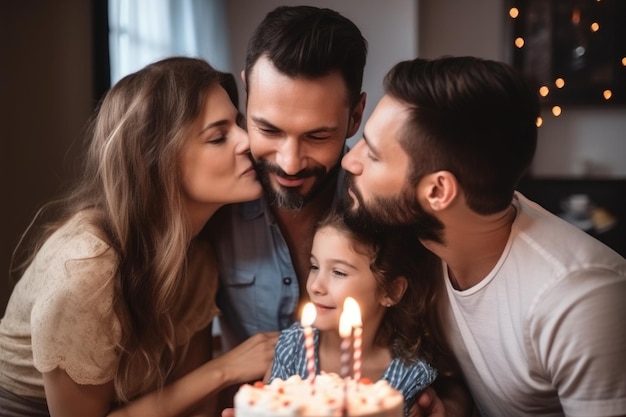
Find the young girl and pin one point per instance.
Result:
(112, 313)
(393, 281)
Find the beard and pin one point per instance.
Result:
(292, 198)
(398, 214)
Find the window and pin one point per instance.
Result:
(144, 31)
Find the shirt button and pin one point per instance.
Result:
(287, 281)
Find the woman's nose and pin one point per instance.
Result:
(243, 141)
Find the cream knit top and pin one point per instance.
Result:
(60, 312)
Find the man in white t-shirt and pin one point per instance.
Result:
(532, 307)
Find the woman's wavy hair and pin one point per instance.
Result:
(409, 328)
(132, 185)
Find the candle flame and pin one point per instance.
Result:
(308, 315)
(351, 308)
(345, 326)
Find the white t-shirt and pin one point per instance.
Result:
(544, 334)
(60, 313)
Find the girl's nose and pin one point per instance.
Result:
(316, 283)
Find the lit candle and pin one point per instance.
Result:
(345, 331)
(354, 315)
(308, 317)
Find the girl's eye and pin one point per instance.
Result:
(314, 267)
(339, 273)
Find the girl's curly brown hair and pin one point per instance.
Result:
(409, 328)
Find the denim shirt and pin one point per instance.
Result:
(259, 288)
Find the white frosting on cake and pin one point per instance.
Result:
(297, 397)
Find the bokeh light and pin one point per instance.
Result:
(544, 90)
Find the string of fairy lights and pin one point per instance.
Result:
(560, 82)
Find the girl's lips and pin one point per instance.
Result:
(322, 308)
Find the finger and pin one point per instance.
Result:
(415, 411)
(228, 412)
(425, 398)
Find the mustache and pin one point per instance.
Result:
(268, 167)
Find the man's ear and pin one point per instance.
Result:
(400, 285)
(357, 115)
(440, 189)
(243, 80)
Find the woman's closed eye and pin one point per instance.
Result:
(217, 140)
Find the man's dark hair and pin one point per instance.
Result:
(473, 117)
(311, 42)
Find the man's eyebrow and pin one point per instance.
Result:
(264, 122)
(371, 147)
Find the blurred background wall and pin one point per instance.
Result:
(46, 97)
(49, 87)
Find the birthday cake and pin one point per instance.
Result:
(325, 397)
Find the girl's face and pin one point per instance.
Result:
(337, 272)
(215, 165)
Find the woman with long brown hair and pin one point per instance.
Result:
(112, 313)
